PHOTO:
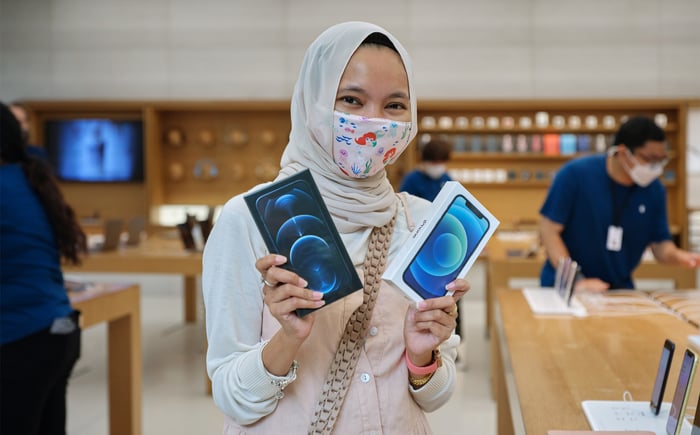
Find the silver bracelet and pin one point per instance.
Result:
(281, 383)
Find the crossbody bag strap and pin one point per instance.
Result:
(343, 366)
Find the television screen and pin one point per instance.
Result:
(95, 150)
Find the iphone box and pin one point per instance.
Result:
(294, 221)
(443, 246)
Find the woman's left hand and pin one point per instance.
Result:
(431, 322)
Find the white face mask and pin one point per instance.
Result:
(364, 146)
(643, 173)
(434, 170)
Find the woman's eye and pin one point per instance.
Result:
(349, 100)
(396, 106)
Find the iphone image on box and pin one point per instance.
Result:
(443, 246)
(447, 249)
(294, 222)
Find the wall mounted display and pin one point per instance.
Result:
(237, 172)
(206, 138)
(428, 122)
(176, 171)
(205, 170)
(266, 170)
(268, 138)
(462, 122)
(175, 137)
(445, 122)
(236, 138)
(95, 150)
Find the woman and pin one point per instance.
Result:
(275, 372)
(39, 331)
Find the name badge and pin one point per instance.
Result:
(614, 242)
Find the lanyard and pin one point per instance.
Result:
(617, 207)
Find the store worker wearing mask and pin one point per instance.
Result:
(431, 174)
(605, 210)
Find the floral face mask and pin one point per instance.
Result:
(364, 146)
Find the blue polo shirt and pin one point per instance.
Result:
(587, 201)
(31, 281)
(419, 184)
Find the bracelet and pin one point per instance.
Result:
(425, 370)
(418, 381)
(282, 381)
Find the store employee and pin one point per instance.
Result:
(604, 210)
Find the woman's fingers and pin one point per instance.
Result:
(459, 288)
(442, 311)
(280, 304)
(268, 261)
(273, 276)
(286, 291)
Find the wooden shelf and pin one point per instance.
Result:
(517, 199)
(527, 131)
(170, 177)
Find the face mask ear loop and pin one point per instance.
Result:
(624, 165)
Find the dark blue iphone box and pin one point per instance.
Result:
(294, 221)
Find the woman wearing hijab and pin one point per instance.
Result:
(39, 331)
(371, 362)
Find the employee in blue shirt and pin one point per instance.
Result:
(39, 330)
(431, 174)
(605, 210)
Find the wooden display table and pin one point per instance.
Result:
(119, 305)
(153, 255)
(502, 269)
(544, 367)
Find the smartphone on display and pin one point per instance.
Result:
(680, 397)
(559, 272)
(568, 290)
(294, 222)
(448, 249)
(657, 395)
(696, 423)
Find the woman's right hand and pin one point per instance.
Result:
(284, 292)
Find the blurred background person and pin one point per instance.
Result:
(25, 121)
(431, 173)
(39, 330)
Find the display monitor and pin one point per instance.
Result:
(95, 150)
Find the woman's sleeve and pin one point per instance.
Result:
(241, 387)
(439, 389)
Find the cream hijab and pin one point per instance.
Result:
(355, 204)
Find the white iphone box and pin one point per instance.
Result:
(443, 246)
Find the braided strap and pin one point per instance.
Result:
(343, 366)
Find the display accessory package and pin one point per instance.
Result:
(294, 221)
(443, 246)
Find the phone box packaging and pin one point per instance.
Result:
(294, 221)
(456, 232)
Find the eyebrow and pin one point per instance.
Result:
(360, 90)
